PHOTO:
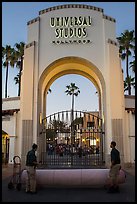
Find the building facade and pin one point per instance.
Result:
(72, 39)
(11, 127)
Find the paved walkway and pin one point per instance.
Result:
(127, 191)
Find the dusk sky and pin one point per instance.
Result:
(15, 16)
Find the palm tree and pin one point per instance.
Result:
(19, 54)
(127, 44)
(49, 91)
(72, 90)
(58, 125)
(7, 59)
(128, 80)
(132, 65)
(17, 79)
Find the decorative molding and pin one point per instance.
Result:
(11, 99)
(33, 20)
(109, 18)
(70, 6)
(129, 96)
(131, 136)
(66, 6)
(112, 42)
(9, 112)
(30, 44)
(132, 110)
(5, 118)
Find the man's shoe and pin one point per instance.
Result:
(117, 189)
(27, 191)
(106, 186)
(33, 192)
(111, 190)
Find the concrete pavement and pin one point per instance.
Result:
(52, 194)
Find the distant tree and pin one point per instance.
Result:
(72, 90)
(58, 125)
(19, 55)
(128, 80)
(127, 45)
(16, 79)
(132, 64)
(55, 126)
(49, 91)
(7, 60)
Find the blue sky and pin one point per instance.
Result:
(15, 16)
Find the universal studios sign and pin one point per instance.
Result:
(71, 30)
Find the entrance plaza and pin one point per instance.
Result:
(71, 194)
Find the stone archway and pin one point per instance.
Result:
(70, 65)
(98, 61)
(64, 66)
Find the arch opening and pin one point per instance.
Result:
(5, 147)
(57, 99)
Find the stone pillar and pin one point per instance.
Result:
(27, 139)
(27, 102)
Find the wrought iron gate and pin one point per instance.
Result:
(72, 140)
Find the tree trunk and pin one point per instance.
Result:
(72, 118)
(129, 86)
(72, 106)
(21, 67)
(6, 82)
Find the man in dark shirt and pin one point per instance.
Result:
(114, 168)
(31, 163)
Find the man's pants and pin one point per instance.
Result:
(113, 173)
(31, 179)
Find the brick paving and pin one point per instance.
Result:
(7, 170)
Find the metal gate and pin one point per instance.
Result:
(72, 140)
